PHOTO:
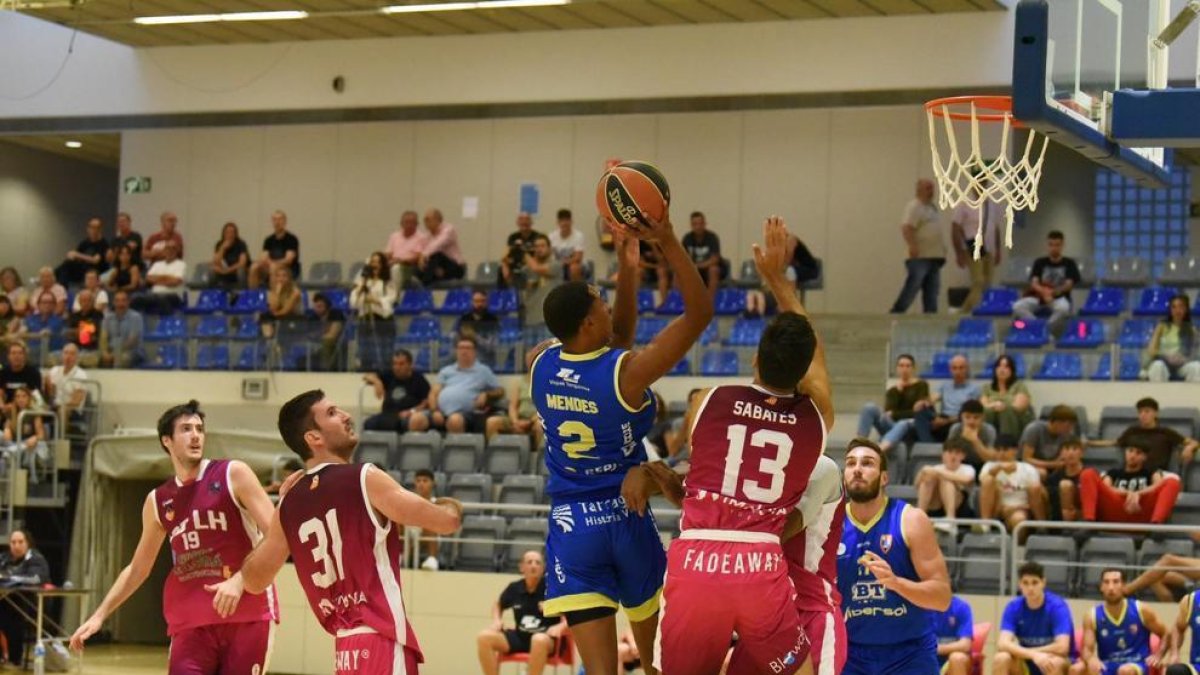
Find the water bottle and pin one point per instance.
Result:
(39, 658)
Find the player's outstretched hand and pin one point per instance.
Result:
(770, 257)
(657, 230)
(85, 631)
(226, 595)
(635, 489)
(453, 505)
(626, 245)
(669, 482)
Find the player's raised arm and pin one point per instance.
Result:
(131, 578)
(645, 366)
(401, 506)
(771, 259)
(250, 496)
(625, 313)
(264, 562)
(933, 589)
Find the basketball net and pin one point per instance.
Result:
(970, 178)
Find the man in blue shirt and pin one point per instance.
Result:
(1036, 632)
(121, 335)
(462, 396)
(955, 630)
(933, 426)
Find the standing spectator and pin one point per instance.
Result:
(121, 335)
(280, 249)
(373, 294)
(404, 249)
(534, 634)
(25, 566)
(90, 254)
(44, 328)
(955, 630)
(461, 399)
(926, 251)
(1009, 489)
(1160, 442)
(567, 244)
(11, 328)
(1036, 629)
(980, 436)
(1063, 484)
(1171, 354)
(522, 418)
(541, 277)
(47, 284)
(442, 259)
(284, 301)
(1133, 493)
(126, 237)
(26, 437)
(11, 287)
(900, 403)
(19, 373)
(933, 425)
(91, 283)
(331, 323)
(404, 392)
(482, 325)
(943, 488)
(231, 259)
(165, 276)
(963, 228)
(1009, 407)
(83, 328)
(155, 248)
(1050, 283)
(519, 245)
(1041, 439)
(704, 248)
(63, 385)
(125, 274)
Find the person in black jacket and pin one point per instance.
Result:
(23, 566)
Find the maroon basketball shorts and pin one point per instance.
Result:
(372, 654)
(242, 648)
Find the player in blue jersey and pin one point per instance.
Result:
(1116, 634)
(955, 631)
(1036, 632)
(1189, 617)
(592, 394)
(891, 573)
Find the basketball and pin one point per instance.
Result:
(628, 190)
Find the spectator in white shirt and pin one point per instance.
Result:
(942, 488)
(567, 244)
(64, 384)
(1010, 490)
(91, 282)
(166, 282)
(963, 229)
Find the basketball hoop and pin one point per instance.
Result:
(973, 180)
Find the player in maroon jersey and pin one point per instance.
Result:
(344, 525)
(213, 512)
(753, 449)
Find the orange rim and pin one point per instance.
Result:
(1000, 107)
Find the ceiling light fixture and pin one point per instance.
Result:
(458, 6)
(74, 145)
(213, 18)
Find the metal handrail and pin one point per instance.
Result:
(57, 435)
(989, 525)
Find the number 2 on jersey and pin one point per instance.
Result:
(326, 534)
(773, 467)
(585, 439)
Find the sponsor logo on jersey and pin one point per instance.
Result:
(315, 481)
(169, 515)
(563, 517)
(558, 571)
(348, 660)
(214, 486)
(885, 543)
(841, 549)
(326, 606)
(568, 375)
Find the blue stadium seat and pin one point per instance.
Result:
(171, 356)
(990, 369)
(719, 362)
(456, 303)
(939, 367)
(711, 334)
(252, 357)
(213, 327)
(168, 328)
(1104, 301)
(421, 329)
(510, 330)
(684, 367)
(1061, 366)
(250, 302)
(212, 357)
(1136, 333)
(339, 298)
(1028, 334)
(297, 357)
(647, 328)
(645, 300)
(996, 302)
(1131, 367)
(672, 305)
(745, 333)
(730, 301)
(416, 301)
(1082, 334)
(972, 333)
(210, 300)
(1154, 301)
(503, 301)
(247, 329)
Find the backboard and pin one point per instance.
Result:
(1094, 76)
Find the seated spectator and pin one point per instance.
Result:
(1009, 407)
(654, 268)
(1116, 632)
(374, 295)
(1050, 283)
(25, 566)
(91, 283)
(520, 244)
(424, 485)
(11, 328)
(90, 254)
(284, 301)
(44, 328)
(541, 276)
(166, 278)
(804, 266)
(404, 249)
(704, 247)
(979, 435)
(230, 261)
(462, 398)
(404, 392)
(155, 248)
(679, 449)
(900, 403)
(1063, 483)
(1042, 438)
(666, 435)
(280, 249)
(567, 244)
(933, 425)
(63, 385)
(1160, 442)
(480, 323)
(121, 335)
(442, 259)
(19, 374)
(126, 237)
(331, 323)
(26, 436)
(943, 488)
(125, 275)
(1009, 489)
(522, 417)
(1036, 629)
(955, 631)
(1132, 493)
(535, 634)
(1171, 354)
(83, 328)
(12, 288)
(47, 284)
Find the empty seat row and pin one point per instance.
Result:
(505, 454)
(1100, 301)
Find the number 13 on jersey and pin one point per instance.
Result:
(771, 466)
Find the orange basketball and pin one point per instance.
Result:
(630, 189)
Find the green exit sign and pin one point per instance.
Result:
(136, 185)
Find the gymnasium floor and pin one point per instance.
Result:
(125, 660)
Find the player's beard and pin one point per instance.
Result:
(864, 494)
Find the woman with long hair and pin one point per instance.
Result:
(283, 300)
(1006, 402)
(18, 295)
(230, 259)
(373, 295)
(1172, 351)
(26, 437)
(126, 274)
(11, 328)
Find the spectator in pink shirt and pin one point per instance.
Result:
(442, 259)
(404, 249)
